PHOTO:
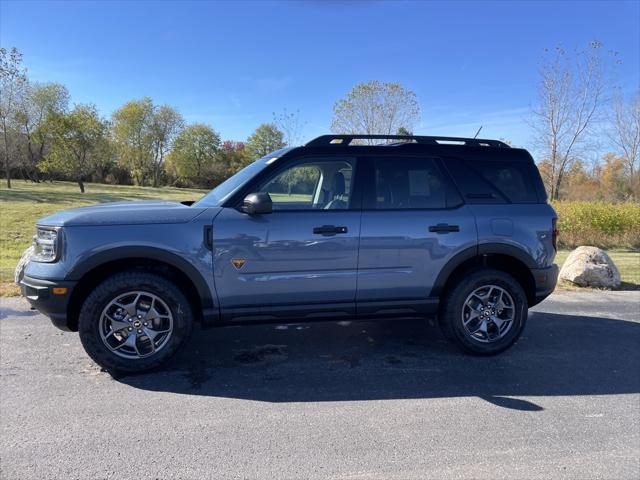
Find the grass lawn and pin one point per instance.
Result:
(293, 198)
(25, 203)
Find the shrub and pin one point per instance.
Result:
(604, 225)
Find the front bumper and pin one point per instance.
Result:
(41, 296)
(545, 280)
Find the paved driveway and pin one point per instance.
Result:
(353, 400)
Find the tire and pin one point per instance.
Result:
(475, 300)
(155, 311)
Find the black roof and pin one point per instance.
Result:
(345, 140)
(468, 148)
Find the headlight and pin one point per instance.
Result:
(46, 244)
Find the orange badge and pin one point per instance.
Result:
(238, 262)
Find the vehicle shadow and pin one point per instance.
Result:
(6, 312)
(402, 359)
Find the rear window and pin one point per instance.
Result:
(495, 181)
(510, 179)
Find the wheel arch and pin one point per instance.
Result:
(90, 272)
(507, 258)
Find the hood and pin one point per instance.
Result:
(123, 213)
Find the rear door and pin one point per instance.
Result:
(413, 223)
(300, 260)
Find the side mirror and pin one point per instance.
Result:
(257, 203)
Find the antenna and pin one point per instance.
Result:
(476, 135)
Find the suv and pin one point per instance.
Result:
(339, 228)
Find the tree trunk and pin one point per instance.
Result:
(6, 157)
(8, 171)
(557, 185)
(81, 185)
(156, 177)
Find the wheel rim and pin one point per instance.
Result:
(136, 324)
(488, 313)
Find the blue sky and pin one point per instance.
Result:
(231, 64)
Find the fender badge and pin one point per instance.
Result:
(238, 262)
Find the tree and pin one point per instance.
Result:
(12, 81)
(613, 181)
(165, 126)
(625, 135)
(570, 94)
(264, 140)
(233, 156)
(194, 154)
(290, 125)
(133, 138)
(580, 183)
(376, 108)
(39, 101)
(78, 141)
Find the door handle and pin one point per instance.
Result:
(329, 230)
(444, 228)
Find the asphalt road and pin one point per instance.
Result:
(356, 400)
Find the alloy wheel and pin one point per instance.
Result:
(488, 313)
(136, 324)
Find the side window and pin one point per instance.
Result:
(409, 183)
(511, 179)
(312, 185)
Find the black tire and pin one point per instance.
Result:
(112, 288)
(452, 308)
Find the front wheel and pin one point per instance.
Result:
(134, 321)
(485, 313)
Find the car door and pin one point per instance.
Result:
(413, 223)
(300, 260)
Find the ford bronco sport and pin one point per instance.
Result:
(335, 229)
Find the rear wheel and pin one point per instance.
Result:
(134, 321)
(485, 313)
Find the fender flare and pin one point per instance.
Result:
(122, 253)
(477, 251)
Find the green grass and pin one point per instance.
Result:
(294, 197)
(25, 203)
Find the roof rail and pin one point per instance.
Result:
(326, 140)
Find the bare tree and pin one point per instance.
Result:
(376, 108)
(12, 81)
(570, 94)
(624, 133)
(290, 125)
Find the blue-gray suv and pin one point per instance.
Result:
(344, 227)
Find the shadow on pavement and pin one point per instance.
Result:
(6, 312)
(396, 359)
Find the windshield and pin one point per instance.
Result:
(222, 192)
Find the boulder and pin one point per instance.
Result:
(590, 267)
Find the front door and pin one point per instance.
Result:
(301, 259)
(413, 223)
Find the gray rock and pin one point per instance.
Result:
(590, 267)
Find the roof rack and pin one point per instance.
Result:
(344, 140)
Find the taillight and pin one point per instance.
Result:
(554, 233)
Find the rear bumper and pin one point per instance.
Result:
(545, 280)
(41, 296)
